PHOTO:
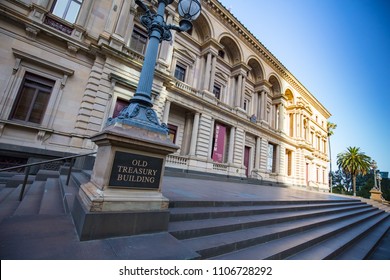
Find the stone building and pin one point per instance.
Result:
(230, 105)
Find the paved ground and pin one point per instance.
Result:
(54, 237)
(178, 189)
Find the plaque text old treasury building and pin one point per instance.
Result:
(231, 106)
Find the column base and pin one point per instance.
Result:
(97, 225)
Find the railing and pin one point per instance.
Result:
(29, 165)
(220, 167)
(177, 160)
(186, 87)
(256, 172)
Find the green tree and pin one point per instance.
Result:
(353, 162)
(331, 127)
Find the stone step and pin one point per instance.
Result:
(198, 204)
(332, 247)
(31, 200)
(10, 201)
(51, 201)
(69, 191)
(196, 228)
(213, 245)
(43, 175)
(18, 179)
(363, 247)
(5, 192)
(285, 247)
(199, 213)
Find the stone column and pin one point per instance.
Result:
(243, 91)
(42, 3)
(231, 100)
(257, 158)
(277, 159)
(263, 104)
(231, 144)
(194, 135)
(281, 117)
(85, 11)
(212, 125)
(212, 78)
(238, 92)
(166, 111)
(121, 25)
(255, 104)
(206, 83)
(185, 146)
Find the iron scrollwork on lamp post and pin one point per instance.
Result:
(140, 113)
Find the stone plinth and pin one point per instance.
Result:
(124, 195)
(376, 195)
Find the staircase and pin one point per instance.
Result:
(297, 230)
(338, 229)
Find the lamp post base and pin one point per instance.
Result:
(124, 195)
(376, 195)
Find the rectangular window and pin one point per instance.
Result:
(172, 132)
(271, 160)
(67, 9)
(32, 99)
(119, 106)
(217, 91)
(246, 105)
(180, 73)
(138, 40)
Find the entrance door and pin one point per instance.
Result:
(247, 153)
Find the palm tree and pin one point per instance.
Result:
(331, 127)
(354, 162)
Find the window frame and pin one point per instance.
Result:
(183, 72)
(35, 82)
(172, 130)
(218, 93)
(141, 34)
(65, 12)
(28, 62)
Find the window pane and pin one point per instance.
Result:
(217, 91)
(22, 108)
(73, 11)
(138, 41)
(59, 8)
(67, 9)
(39, 107)
(180, 73)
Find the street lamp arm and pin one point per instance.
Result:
(185, 25)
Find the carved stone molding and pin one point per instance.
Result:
(32, 32)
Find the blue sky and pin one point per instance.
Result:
(340, 51)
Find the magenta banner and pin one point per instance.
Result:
(219, 143)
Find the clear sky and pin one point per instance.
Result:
(340, 51)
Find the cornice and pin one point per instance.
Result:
(219, 10)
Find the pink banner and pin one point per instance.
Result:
(219, 143)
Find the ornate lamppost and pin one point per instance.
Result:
(376, 193)
(140, 113)
(124, 194)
